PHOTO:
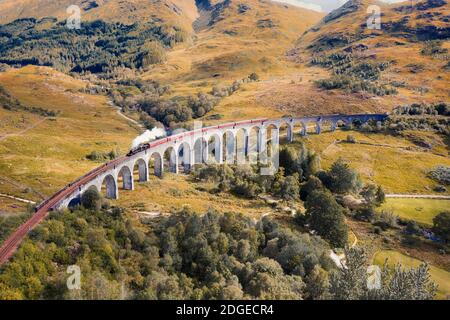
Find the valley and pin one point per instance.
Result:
(72, 100)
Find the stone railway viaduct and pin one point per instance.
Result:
(232, 143)
(238, 142)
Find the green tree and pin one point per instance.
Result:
(350, 282)
(289, 160)
(317, 284)
(311, 185)
(343, 178)
(441, 226)
(326, 217)
(290, 188)
(91, 199)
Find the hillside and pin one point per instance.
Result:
(404, 62)
(43, 151)
(234, 38)
(73, 100)
(173, 12)
(236, 41)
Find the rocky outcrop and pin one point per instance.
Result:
(349, 7)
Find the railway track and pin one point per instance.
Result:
(11, 244)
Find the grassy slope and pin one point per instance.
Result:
(420, 210)
(232, 48)
(439, 276)
(173, 192)
(175, 12)
(42, 155)
(397, 169)
(384, 45)
(52, 154)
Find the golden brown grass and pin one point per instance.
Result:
(52, 154)
(176, 191)
(399, 166)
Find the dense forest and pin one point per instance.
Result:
(189, 256)
(97, 47)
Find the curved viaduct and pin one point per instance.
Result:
(237, 142)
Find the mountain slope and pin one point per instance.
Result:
(408, 55)
(173, 12)
(234, 37)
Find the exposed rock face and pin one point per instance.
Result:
(203, 4)
(348, 7)
(243, 8)
(431, 4)
(422, 6)
(89, 4)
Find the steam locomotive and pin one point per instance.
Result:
(148, 145)
(139, 148)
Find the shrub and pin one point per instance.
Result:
(441, 226)
(432, 48)
(253, 77)
(102, 156)
(366, 213)
(377, 230)
(351, 139)
(413, 228)
(326, 217)
(441, 174)
(91, 199)
(311, 185)
(386, 220)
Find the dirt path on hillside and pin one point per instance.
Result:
(124, 116)
(34, 125)
(23, 186)
(418, 196)
(16, 198)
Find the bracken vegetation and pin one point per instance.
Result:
(351, 75)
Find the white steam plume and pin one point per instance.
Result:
(148, 135)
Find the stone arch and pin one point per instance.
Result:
(241, 145)
(273, 138)
(126, 177)
(200, 151)
(156, 163)
(302, 128)
(215, 148)
(185, 157)
(341, 123)
(75, 202)
(286, 130)
(311, 126)
(327, 125)
(229, 147)
(171, 160)
(140, 169)
(110, 186)
(254, 142)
